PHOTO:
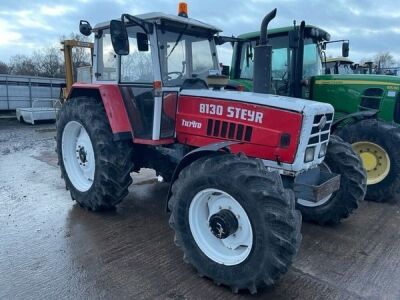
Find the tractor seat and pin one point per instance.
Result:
(194, 84)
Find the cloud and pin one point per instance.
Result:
(9, 35)
(55, 11)
(371, 26)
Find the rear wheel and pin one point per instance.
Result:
(234, 221)
(378, 145)
(340, 159)
(96, 169)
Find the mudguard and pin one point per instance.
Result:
(113, 103)
(358, 116)
(194, 155)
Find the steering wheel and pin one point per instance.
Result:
(180, 75)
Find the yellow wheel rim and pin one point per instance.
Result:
(375, 160)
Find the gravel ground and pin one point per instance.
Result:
(51, 248)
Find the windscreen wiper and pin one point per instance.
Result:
(178, 40)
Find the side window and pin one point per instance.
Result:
(137, 66)
(202, 57)
(107, 59)
(176, 58)
(279, 63)
(246, 61)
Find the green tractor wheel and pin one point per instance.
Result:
(378, 144)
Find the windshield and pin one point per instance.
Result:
(281, 56)
(184, 56)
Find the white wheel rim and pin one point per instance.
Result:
(78, 156)
(229, 251)
(307, 203)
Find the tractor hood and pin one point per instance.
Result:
(282, 102)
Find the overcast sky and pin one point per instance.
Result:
(372, 26)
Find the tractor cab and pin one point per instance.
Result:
(151, 57)
(298, 54)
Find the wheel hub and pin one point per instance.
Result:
(220, 227)
(82, 154)
(223, 224)
(375, 160)
(78, 156)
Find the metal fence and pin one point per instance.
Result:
(21, 91)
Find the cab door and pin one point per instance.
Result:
(138, 79)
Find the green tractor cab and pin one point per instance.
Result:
(367, 106)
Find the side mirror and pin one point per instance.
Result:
(323, 46)
(142, 42)
(119, 37)
(345, 49)
(85, 28)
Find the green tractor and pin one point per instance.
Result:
(367, 106)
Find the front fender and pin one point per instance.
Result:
(357, 116)
(195, 155)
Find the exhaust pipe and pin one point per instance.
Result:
(262, 76)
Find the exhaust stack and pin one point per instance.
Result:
(262, 76)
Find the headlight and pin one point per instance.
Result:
(322, 151)
(309, 156)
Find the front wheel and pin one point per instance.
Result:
(234, 221)
(340, 159)
(95, 168)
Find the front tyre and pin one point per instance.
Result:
(340, 159)
(96, 169)
(234, 221)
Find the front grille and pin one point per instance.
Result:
(320, 132)
(228, 130)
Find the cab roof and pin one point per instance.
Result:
(281, 31)
(158, 17)
(343, 60)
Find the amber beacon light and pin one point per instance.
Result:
(183, 9)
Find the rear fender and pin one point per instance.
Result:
(195, 155)
(113, 104)
(355, 117)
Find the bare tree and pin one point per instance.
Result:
(4, 69)
(48, 61)
(384, 60)
(23, 65)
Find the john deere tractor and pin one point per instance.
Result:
(235, 160)
(367, 107)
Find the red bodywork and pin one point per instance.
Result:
(265, 132)
(264, 140)
(113, 104)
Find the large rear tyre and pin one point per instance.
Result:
(96, 169)
(234, 221)
(340, 159)
(378, 145)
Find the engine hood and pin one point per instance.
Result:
(282, 102)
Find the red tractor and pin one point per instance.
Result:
(237, 161)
